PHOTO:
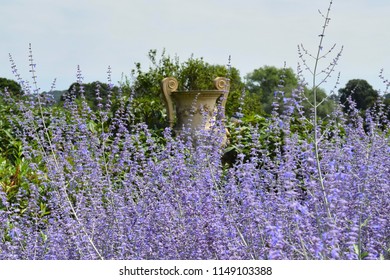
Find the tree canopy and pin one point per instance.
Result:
(95, 93)
(361, 92)
(11, 86)
(263, 83)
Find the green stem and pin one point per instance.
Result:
(315, 116)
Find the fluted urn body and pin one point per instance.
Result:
(194, 109)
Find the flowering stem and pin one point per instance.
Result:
(52, 150)
(315, 115)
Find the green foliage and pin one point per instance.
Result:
(243, 141)
(95, 93)
(327, 106)
(386, 100)
(16, 181)
(262, 85)
(149, 111)
(15, 171)
(267, 138)
(12, 87)
(192, 74)
(16, 174)
(9, 145)
(147, 84)
(361, 92)
(57, 94)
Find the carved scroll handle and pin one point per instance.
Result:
(169, 85)
(223, 84)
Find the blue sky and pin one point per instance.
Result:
(96, 34)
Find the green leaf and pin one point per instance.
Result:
(231, 148)
(43, 236)
(356, 249)
(364, 224)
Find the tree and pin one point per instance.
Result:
(386, 100)
(327, 106)
(9, 146)
(360, 92)
(12, 87)
(265, 83)
(91, 91)
(262, 84)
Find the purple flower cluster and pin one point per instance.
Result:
(109, 189)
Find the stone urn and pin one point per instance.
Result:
(194, 109)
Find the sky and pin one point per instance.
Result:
(95, 34)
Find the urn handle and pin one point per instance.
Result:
(169, 85)
(223, 84)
